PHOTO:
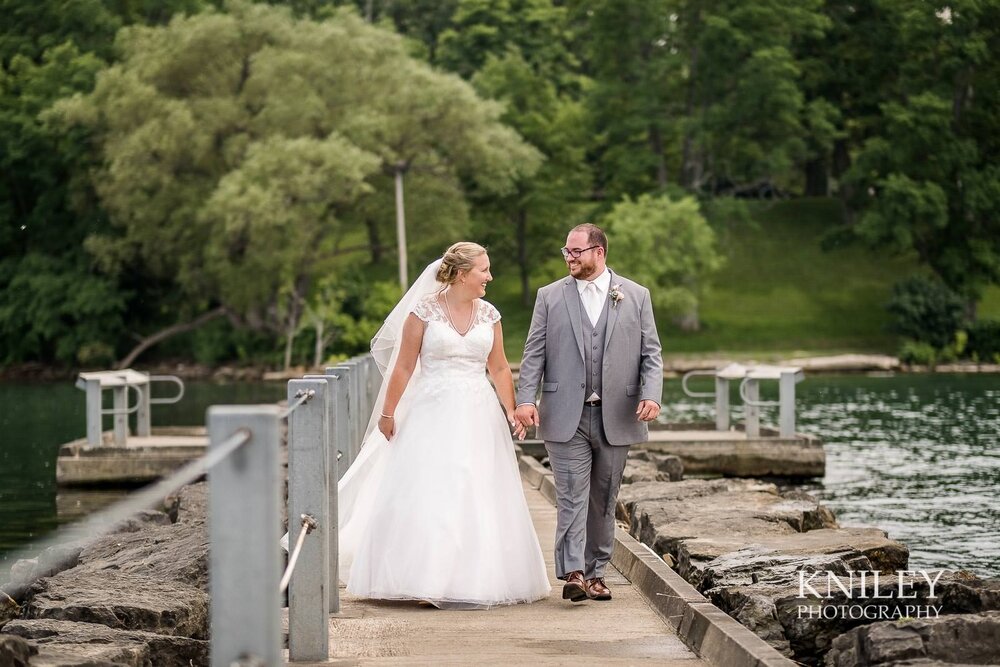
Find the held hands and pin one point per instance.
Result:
(516, 426)
(387, 425)
(647, 411)
(526, 415)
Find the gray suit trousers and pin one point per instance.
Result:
(587, 472)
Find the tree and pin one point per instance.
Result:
(236, 148)
(541, 206)
(704, 95)
(927, 180)
(667, 245)
(44, 215)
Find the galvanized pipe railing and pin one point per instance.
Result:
(324, 438)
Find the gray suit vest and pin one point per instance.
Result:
(593, 349)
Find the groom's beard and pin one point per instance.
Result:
(582, 270)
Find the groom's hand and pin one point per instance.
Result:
(526, 415)
(647, 410)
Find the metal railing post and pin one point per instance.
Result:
(120, 416)
(143, 417)
(357, 407)
(721, 404)
(347, 374)
(341, 420)
(750, 410)
(786, 401)
(333, 389)
(308, 493)
(94, 414)
(244, 520)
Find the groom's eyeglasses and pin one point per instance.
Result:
(566, 252)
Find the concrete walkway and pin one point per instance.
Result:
(623, 631)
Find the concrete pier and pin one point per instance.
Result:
(624, 631)
(706, 451)
(655, 618)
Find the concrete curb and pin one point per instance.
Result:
(532, 471)
(712, 634)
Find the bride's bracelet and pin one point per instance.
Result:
(386, 416)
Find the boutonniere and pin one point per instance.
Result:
(616, 294)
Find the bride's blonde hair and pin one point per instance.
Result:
(460, 256)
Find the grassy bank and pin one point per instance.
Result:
(778, 291)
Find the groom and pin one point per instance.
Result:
(593, 351)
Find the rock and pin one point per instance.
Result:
(950, 639)
(67, 643)
(176, 552)
(142, 519)
(14, 651)
(135, 596)
(642, 471)
(699, 520)
(771, 602)
(24, 573)
(647, 466)
(9, 609)
(123, 601)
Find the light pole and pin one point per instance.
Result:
(400, 169)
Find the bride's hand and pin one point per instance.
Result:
(387, 425)
(516, 426)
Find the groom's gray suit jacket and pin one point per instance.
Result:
(553, 362)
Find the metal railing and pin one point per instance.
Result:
(750, 378)
(327, 416)
(120, 383)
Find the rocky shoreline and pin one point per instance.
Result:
(137, 596)
(743, 544)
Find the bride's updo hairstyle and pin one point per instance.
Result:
(460, 256)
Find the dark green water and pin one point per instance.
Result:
(37, 418)
(915, 455)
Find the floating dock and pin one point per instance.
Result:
(141, 460)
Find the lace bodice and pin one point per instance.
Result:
(445, 352)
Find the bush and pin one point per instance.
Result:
(926, 311)
(916, 353)
(984, 341)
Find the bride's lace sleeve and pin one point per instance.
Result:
(427, 309)
(488, 314)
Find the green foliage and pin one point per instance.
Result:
(916, 353)
(984, 341)
(927, 178)
(240, 152)
(668, 246)
(705, 95)
(925, 310)
(55, 312)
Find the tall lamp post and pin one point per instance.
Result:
(400, 169)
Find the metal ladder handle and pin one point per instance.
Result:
(170, 399)
(127, 410)
(697, 394)
(755, 404)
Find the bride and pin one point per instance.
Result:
(433, 508)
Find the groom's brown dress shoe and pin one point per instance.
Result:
(596, 590)
(575, 588)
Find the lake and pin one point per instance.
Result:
(915, 455)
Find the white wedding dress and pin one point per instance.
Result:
(438, 513)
